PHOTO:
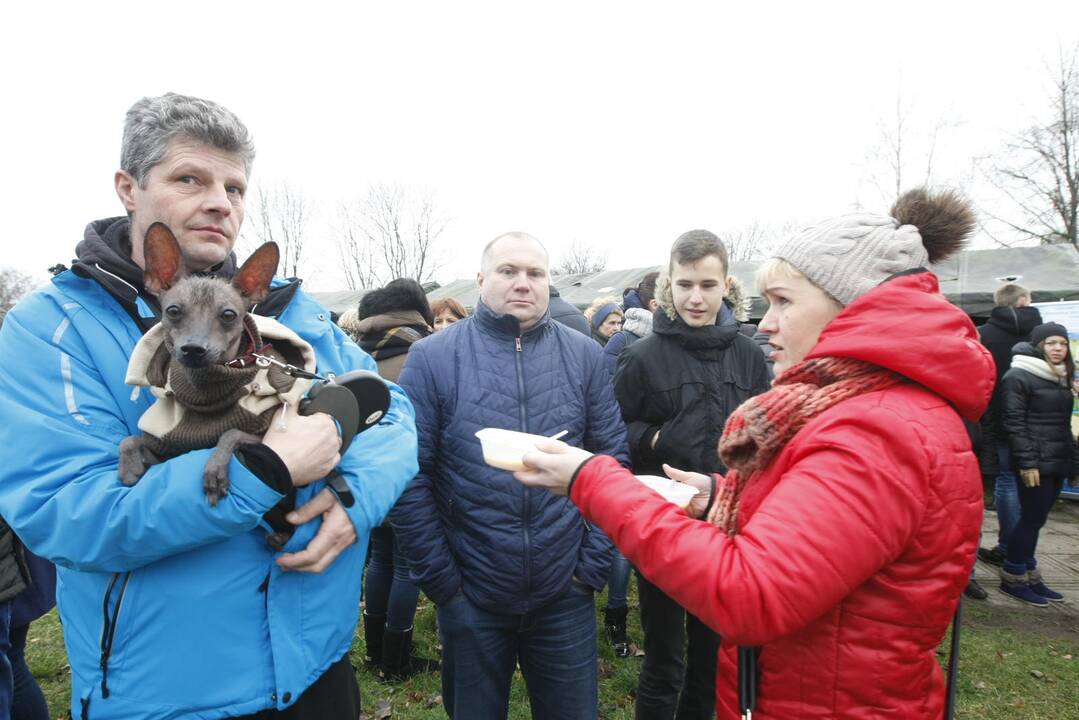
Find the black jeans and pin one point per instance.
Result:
(334, 696)
(1034, 506)
(678, 679)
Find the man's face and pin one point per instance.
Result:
(698, 290)
(514, 280)
(198, 191)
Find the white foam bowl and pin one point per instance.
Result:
(505, 449)
(671, 490)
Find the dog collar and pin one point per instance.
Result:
(254, 346)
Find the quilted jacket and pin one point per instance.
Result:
(1037, 419)
(856, 541)
(466, 526)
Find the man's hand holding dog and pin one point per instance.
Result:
(335, 534)
(309, 445)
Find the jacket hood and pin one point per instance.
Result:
(1025, 348)
(638, 321)
(1015, 321)
(736, 304)
(397, 318)
(105, 254)
(944, 355)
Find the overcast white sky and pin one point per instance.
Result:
(620, 124)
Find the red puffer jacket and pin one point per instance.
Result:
(854, 544)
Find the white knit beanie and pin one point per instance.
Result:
(850, 255)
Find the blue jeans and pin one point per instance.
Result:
(1006, 498)
(387, 588)
(618, 581)
(1023, 543)
(27, 701)
(555, 646)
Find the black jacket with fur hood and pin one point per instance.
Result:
(684, 383)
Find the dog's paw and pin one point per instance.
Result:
(132, 464)
(131, 473)
(215, 481)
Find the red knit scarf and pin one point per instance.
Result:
(762, 425)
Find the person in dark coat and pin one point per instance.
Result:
(391, 319)
(512, 570)
(568, 315)
(638, 304)
(1010, 323)
(1036, 403)
(676, 389)
(604, 318)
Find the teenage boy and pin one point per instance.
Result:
(676, 389)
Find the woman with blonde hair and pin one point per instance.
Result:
(832, 554)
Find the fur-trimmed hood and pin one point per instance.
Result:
(737, 298)
(399, 295)
(267, 389)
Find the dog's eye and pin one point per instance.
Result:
(173, 311)
(228, 315)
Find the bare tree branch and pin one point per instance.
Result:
(580, 258)
(281, 215)
(13, 285)
(390, 232)
(1040, 173)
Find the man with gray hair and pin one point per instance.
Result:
(513, 570)
(173, 608)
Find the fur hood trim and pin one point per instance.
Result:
(737, 297)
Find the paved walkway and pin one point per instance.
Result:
(1058, 558)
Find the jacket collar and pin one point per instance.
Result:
(507, 325)
(716, 336)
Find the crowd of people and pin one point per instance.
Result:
(836, 494)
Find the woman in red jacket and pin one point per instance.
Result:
(832, 555)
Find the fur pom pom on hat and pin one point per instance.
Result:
(850, 255)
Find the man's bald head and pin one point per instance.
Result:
(518, 237)
(513, 278)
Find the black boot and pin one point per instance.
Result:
(374, 627)
(398, 662)
(615, 620)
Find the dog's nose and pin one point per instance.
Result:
(193, 351)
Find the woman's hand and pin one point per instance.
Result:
(551, 465)
(1031, 478)
(701, 483)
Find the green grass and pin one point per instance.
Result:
(1001, 648)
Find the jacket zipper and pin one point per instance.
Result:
(522, 410)
(108, 630)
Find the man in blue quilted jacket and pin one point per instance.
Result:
(512, 569)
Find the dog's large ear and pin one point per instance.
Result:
(253, 279)
(162, 258)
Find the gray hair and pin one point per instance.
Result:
(153, 121)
